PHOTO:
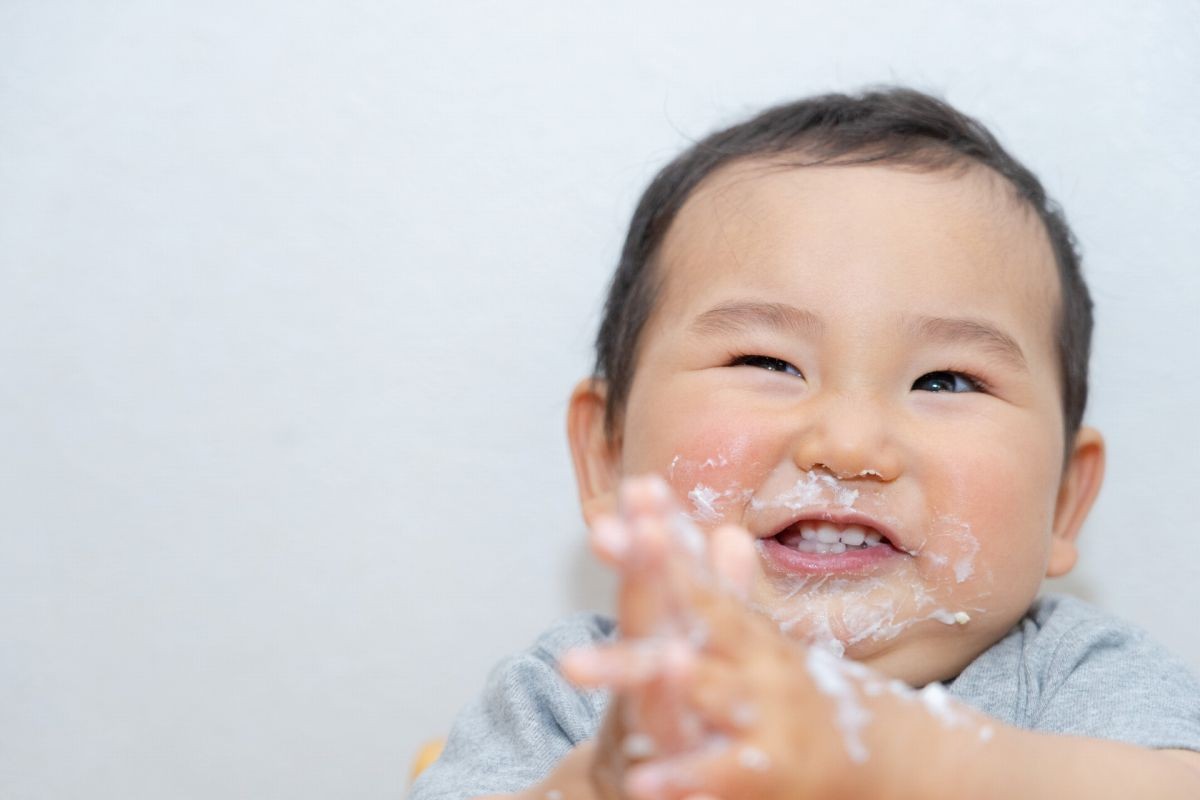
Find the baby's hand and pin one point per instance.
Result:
(715, 701)
(658, 554)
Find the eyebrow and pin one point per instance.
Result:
(738, 316)
(742, 315)
(971, 331)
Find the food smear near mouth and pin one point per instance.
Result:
(835, 576)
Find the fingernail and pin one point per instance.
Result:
(658, 487)
(645, 494)
(679, 656)
(578, 664)
(612, 537)
(649, 781)
(646, 781)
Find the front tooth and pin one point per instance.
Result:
(837, 548)
(808, 532)
(873, 538)
(853, 536)
(827, 533)
(822, 547)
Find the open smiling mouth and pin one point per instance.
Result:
(823, 546)
(811, 536)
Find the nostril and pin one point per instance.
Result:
(867, 473)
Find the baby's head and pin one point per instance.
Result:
(856, 327)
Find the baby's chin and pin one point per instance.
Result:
(867, 619)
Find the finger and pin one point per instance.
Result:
(646, 495)
(732, 559)
(653, 595)
(722, 624)
(709, 592)
(668, 594)
(607, 770)
(720, 769)
(649, 497)
(720, 694)
(645, 607)
(670, 587)
(660, 709)
(610, 540)
(671, 552)
(623, 665)
(650, 540)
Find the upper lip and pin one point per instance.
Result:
(838, 516)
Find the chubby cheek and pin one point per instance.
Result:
(713, 461)
(993, 527)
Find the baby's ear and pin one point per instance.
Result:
(596, 459)
(1080, 484)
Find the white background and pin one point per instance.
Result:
(292, 295)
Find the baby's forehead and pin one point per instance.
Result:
(961, 234)
(964, 200)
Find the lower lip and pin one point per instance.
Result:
(869, 559)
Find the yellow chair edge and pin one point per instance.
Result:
(428, 753)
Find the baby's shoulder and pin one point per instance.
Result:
(1062, 633)
(533, 672)
(576, 630)
(1071, 667)
(1057, 615)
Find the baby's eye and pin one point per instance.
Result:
(946, 381)
(767, 363)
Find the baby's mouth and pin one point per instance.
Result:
(831, 542)
(817, 536)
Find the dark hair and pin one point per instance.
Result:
(889, 126)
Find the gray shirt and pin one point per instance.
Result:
(1066, 667)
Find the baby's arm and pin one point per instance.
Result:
(784, 721)
(1020, 763)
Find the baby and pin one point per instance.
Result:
(846, 352)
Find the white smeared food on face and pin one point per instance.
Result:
(708, 503)
(838, 610)
(704, 500)
(810, 489)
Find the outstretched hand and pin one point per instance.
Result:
(710, 699)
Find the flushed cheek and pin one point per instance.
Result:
(713, 467)
(991, 536)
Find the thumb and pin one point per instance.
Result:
(732, 559)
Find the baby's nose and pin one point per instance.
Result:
(848, 440)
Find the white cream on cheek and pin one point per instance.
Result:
(706, 503)
(951, 544)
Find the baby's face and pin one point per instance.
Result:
(853, 354)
